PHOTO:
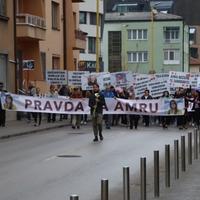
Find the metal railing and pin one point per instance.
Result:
(31, 20)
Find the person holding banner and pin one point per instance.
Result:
(133, 118)
(146, 118)
(107, 93)
(76, 119)
(52, 94)
(96, 103)
(2, 111)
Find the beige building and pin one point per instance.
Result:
(194, 38)
(48, 37)
(7, 45)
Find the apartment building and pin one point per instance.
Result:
(143, 43)
(7, 45)
(48, 37)
(87, 20)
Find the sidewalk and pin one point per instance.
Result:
(186, 187)
(17, 128)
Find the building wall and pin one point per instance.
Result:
(189, 10)
(155, 46)
(7, 73)
(90, 6)
(53, 44)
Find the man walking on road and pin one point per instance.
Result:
(96, 103)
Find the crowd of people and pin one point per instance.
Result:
(97, 102)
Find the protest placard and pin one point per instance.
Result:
(102, 79)
(179, 79)
(74, 77)
(158, 84)
(122, 79)
(58, 77)
(194, 79)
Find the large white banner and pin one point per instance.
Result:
(164, 106)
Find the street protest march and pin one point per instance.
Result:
(60, 105)
(155, 83)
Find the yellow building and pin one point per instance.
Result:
(7, 44)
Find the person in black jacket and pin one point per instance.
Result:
(2, 112)
(146, 96)
(96, 103)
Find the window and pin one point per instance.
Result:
(192, 35)
(171, 56)
(194, 52)
(55, 62)
(55, 15)
(2, 7)
(83, 18)
(3, 68)
(114, 51)
(137, 34)
(138, 57)
(91, 45)
(171, 34)
(93, 19)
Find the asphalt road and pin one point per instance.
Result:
(52, 165)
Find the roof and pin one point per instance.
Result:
(111, 3)
(194, 61)
(140, 16)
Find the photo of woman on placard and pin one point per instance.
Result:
(174, 108)
(8, 105)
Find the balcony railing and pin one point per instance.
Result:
(31, 20)
(80, 35)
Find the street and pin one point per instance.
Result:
(54, 164)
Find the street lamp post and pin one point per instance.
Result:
(97, 35)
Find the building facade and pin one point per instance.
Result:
(7, 45)
(87, 20)
(194, 41)
(145, 42)
(48, 35)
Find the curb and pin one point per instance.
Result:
(32, 131)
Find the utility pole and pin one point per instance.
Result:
(97, 36)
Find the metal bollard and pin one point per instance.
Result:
(74, 197)
(167, 165)
(126, 183)
(104, 189)
(183, 162)
(176, 159)
(143, 183)
(156, 174)
(195, 144)
(190, 148)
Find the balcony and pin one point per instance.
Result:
(80, 40)
(31, 26)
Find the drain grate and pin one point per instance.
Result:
(69, 156)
